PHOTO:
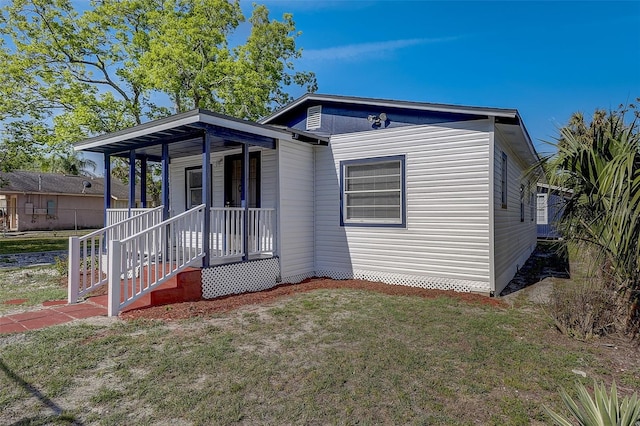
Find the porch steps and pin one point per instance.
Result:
(186, 286)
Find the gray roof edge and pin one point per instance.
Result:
(496, 112)
(165, 120)
(532, 147)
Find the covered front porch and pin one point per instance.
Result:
(198, 151)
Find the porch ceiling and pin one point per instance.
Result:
(184, 135)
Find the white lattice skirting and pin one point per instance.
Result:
(409, 280)
(241, 277)
(295, 279)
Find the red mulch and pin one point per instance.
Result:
(14, 301)
(227, 303)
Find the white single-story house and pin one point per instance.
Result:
(407, 193)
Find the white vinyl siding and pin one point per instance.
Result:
(447, 209)
(514, 239)
(296, 210)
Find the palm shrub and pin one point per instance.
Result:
(604, 409)
(601, 165)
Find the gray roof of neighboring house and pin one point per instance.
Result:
(24, 182)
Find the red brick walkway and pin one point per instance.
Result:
(53, 314)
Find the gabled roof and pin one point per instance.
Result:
(504, 117)
(184, 132)
(25, 182)
(424, 106)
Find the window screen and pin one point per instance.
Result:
(373, 191)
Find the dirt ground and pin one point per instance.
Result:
(545, 262)
(231, 302)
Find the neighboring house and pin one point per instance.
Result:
(406, 193)
(43, 201)
(550, 205)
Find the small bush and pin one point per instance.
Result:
(61, 265)
(603, 409)
(588, 309)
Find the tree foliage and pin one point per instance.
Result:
(600, 163)
(69, 74)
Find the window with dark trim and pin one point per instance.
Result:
(503, 181)
(521, 203)
(193, 182)
(532, 203)
(373, 192)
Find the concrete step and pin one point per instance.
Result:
(186, 286)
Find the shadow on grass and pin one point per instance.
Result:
(58, 417)
(549, 259)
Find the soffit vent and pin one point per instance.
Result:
(314, 116)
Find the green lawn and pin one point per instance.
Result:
(37, 241)
(324, 357)
(32, 245)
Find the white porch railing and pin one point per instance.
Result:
(227, 231)
(87, 266)
(119, 215)
(143, 261)
(262, 233)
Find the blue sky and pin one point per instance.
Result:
(547, 59)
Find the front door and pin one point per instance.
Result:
(233, 180)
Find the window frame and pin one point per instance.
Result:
(522, 189)
(187, 188)
(532, 205)
(51, 208)
(504, 174)
(545, 208)
(401, 222)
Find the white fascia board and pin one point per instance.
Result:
(524, 131)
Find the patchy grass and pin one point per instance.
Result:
(327, 356)
(36, 284)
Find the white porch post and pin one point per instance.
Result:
(114, 278)
(74, 270)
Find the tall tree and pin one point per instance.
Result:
(71, 163)
(69, 74)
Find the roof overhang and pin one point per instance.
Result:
(508, 120)
(184, 132)
(418, 106)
